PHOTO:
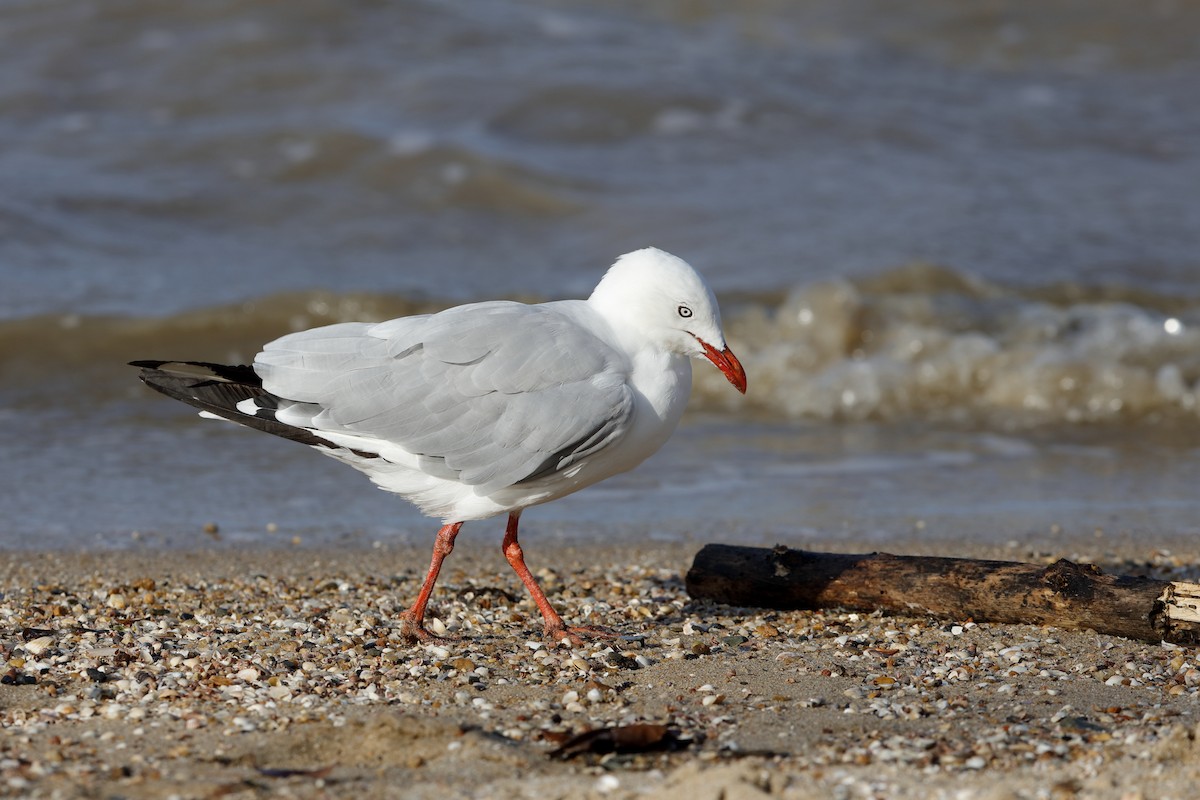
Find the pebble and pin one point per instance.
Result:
(606, 784)
(262, 652)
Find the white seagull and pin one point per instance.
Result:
(486, 408)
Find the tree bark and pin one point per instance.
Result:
(1064, 594)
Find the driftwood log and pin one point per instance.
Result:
(1064, 594)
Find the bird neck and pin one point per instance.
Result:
(661, 382)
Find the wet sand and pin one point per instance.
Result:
(279, 672)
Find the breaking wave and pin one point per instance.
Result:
(917, 343)
(929, 343)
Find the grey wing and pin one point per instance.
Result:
(491, 394)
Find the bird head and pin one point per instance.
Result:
(667, 302)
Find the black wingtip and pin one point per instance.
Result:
(200, 370)
(219, 389)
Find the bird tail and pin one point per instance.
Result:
(221, 390)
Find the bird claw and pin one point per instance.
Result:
(413, 631)
(578, 635)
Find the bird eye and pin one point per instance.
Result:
(685, 312)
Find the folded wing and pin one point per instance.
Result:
(491, 394)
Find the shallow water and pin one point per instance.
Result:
(194, 179)
(719, 479)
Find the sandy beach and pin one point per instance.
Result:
(245, 673)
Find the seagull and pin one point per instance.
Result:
(487, 408)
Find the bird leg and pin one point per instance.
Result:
(412, 621)
(554, 625)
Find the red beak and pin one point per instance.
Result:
(728, 363)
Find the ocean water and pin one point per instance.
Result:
(957, 248)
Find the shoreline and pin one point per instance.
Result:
(277, 671)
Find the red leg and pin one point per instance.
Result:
(555, 627)
(412, 625)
